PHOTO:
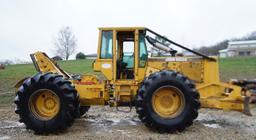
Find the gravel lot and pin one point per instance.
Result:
(106, 123)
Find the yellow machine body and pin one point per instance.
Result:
(119, 89)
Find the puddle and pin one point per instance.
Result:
(92, 120)
(11, 124)
(113, 122)
(121, 122)
(132, 122)
(4, 137)
(212, 125)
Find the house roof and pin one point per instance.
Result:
(234, 45)
(223, 51)
(121, 28)
(247, 42)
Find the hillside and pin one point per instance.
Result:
(240, 68)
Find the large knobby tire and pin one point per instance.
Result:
(167, 101)
(46, 103)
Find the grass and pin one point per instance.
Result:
(77, 66)
(240, 68)
(13, 73)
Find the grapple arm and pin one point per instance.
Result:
(45, 64)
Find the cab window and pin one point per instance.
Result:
(106, 45)
(143, 50)
(128, 53)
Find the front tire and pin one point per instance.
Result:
(46, 103)
(167, 101)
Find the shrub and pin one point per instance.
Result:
(80, 55)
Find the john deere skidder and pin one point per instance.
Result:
(166, 91)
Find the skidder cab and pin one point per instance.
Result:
(166, 90)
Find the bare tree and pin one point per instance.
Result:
(65, 43)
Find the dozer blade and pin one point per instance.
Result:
(227, 96)
(247, 101)
(247, 107)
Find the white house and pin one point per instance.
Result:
(239, 48)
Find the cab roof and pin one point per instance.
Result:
(122, 28)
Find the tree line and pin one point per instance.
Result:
(214, 49)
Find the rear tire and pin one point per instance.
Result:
(167, 116)
(33, 110)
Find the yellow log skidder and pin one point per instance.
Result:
(166, 91)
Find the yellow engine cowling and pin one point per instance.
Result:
(91, 90)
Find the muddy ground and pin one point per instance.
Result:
(106, 123)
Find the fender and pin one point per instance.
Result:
(18, 84)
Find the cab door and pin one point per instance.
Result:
(141, 56)
(104, 61)
(125, 55)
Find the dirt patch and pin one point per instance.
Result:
(106, 123)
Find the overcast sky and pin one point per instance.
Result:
(30, 25)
